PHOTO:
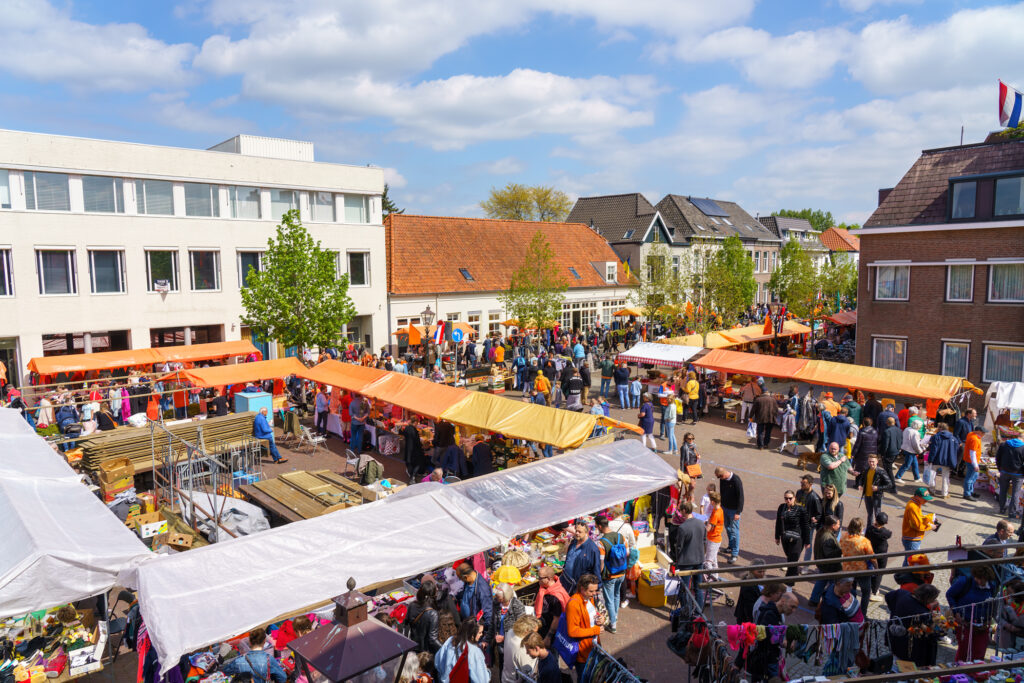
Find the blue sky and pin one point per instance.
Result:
(774, 104)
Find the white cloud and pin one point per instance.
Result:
(41, 43)
(393, 178)
(865, 5)
(172, 110)
(971, 46)
(503, 166)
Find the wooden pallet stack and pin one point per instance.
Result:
(304, 494)
(136, 444)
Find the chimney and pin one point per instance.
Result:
(883, 193)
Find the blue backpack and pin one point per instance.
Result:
(616, 556)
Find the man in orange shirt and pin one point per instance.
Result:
(582, 620)
(972, 456)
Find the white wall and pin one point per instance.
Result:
(28, 315)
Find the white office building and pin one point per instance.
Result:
(114, 245)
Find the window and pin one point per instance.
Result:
(281, 202)
(57, 271)
(960, 283)
(245, 202)
(574, 273)
(757, 262)
(963, 200)
(629, 233)
(6, 276)
(892, 283)
(954, 358)
(452, 317)
(202, 200)
(106, 271)
(493, 322)
(1006, 282)
(247, 260)
(675, 268)
(161, 268)
(465, 273)
(726, 221)
(889, 354)
(154, 197)
(473, 320)
(205, 269)
(102, 194)
(356, 210)
(359, 268)
(656, 237)
(1009, 196)
(47, 191)
(5, 189)
(1003, 364)
(323, 206)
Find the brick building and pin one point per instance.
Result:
(942, 267)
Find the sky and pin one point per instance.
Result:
(773, 104)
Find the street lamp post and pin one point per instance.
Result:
(427, 316)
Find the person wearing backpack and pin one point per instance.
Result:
(614, 560)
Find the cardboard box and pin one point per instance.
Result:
(117, 468)
(150, 524)
(118, 484)
(179, 541)
(111, 494)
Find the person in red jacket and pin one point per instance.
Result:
(582, 620)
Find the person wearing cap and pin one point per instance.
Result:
(909, 580)
(828, 400)
(915, 522)
(1010, 461)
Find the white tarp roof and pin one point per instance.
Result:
(660, 354)
(59, 543)
(194, 599)
(1000, 396)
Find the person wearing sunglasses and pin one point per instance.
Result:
(792, 530)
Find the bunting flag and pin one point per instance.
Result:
(439, 332)
(1010, 101)
(625, 265)
(780, 320)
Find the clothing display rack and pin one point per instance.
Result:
(602, 667)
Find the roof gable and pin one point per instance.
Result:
(618, 217)
(691, 221)
(840, 239)
(427, 253)
(920, 197)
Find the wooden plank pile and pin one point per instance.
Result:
(305, 494)
(135, 443)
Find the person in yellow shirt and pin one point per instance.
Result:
(915, 522)
(873, 482)
(692, 390)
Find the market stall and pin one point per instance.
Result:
(191, 600)
(714, 340)
(1004, 397)
(843, 318)
(756, 333)
(673, 356)
(236, 373)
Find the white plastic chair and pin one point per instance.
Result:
(311, 439)
(351, 459)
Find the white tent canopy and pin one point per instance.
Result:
(59, 543)
(194, 599)
(999, 397)
(660, 354)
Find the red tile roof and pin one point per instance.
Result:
(426, 253)
(840, 239)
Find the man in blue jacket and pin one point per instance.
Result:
(621, 377)
(261, 429)
(943, 457)
(582, 557)
(475, 600)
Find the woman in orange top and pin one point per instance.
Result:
(855, 544)
(582, 620)
(714, 525)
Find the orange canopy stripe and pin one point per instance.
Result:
(237, 373)
(133, 358)
(740, 363)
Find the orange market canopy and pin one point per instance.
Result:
(844, 318)
(417, 333)
(628, 311)
(237, 373)
(755, 333)
(829, 374)
(715, 340)
(109, 360)
(560, 428)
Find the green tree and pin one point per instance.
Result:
(795, 281)
(297, 299)
(838, 282)
(849, 226)
(537, 289)
(700, 315)
(819, 220)
(388, 206)
(517, 202)
(730, 280)
(659, 286)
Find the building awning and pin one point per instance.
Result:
(133, 358)
(237, 373)
(758, 365)
(844, 318)
(670, 355)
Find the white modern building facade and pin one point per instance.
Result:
(112, 245)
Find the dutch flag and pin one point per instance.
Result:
(1009, 106)
(439, 332)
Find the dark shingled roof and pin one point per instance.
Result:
(689, 221)
(779, 223)
(921, 195)
(615, 215)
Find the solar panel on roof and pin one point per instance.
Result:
(709, 207)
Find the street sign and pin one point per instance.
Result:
(456, 335)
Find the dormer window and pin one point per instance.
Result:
(629, 233)
(610, 271)
(574, 273)
(964, 194)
